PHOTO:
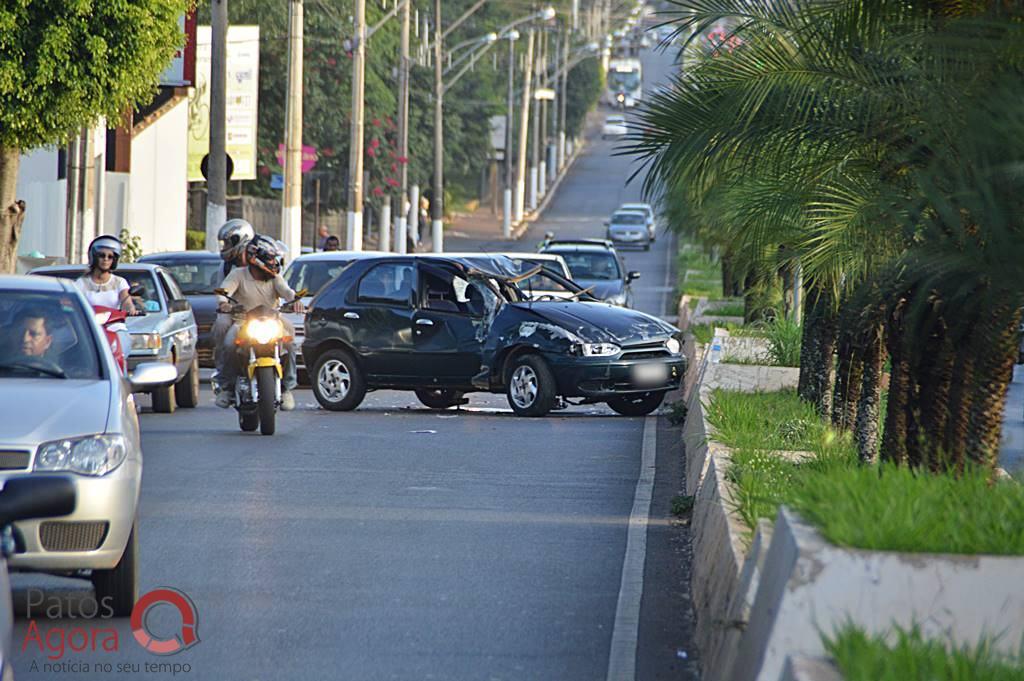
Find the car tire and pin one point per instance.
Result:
(186, 391)
(639, 405)
(163, 400)
(120, 584)
(531, 388)
(440, 398)
(338, 382)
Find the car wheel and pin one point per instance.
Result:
(338, 382)
(531, 387)
(121, 584)
(186, 391)
(637, 405)
(163, 400)
(439, 399)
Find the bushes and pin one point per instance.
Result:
(784, 338)
(195, 240)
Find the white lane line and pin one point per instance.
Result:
(622, 657)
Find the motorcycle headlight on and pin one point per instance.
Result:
(90, 455)
(264, 331)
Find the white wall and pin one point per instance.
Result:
(159, 184)
(45, 199)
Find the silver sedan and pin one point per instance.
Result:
(65, 408)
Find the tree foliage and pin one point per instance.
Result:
(65, 63)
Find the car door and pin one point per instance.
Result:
(448, 328)
(379, 315)
(180, 326)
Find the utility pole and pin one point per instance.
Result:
(437, 201)
(524, 124)
(506, 225)
(217, 164)
(535, 122)
(291, 209)
(354, 222)
(74, 178)
(563, 98)
(401, 236)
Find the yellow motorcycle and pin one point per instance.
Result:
(258, 347)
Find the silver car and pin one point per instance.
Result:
(166, 333)
(629, 228)
(67, 409)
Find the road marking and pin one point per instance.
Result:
(622, 658)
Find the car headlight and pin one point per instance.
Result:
(146, 341)
(597, 349)
(91, 455)
(618, 299)
(673, 345)
(264, 331)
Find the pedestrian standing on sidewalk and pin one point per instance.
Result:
(324, 236)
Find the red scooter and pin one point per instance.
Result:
(107, 317)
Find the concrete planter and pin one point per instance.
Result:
(809, 586)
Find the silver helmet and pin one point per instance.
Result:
(234, 236)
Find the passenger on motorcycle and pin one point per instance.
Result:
(234, 237)
(260, 283)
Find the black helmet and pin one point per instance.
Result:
(234, 236)
(263, 252)
(106, 241)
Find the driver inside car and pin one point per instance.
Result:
(32, 335)
(258, 284)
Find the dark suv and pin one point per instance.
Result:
(595, 265)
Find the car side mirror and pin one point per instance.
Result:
(179, 305)
(152, 375)
(632, 276)
(36, 497)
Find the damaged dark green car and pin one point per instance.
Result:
(447, 326)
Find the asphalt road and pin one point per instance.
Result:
(395, 542)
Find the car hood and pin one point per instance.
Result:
(598, 322)
(603, 288)
(204, 307)
(50, 409)
(147, 323)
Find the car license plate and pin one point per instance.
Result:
(650, 374)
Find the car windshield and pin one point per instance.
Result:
(45, 336)
(539, 282)
(628, 219)
(637, 208)
(195, 277)
(313, 275)
(623, 80)
(614, 120)
(593, 265)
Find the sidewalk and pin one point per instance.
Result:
(483, 225)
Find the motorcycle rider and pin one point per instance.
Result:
(259, 283)
(102, 287)
(234, 236)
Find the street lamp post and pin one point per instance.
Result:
(354, 223)
(437, 200)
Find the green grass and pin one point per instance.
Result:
(699, 274)
(896, 509)
(729, 309)
(784, 340)
(860, 657)
(881, 507)
(704, 332)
